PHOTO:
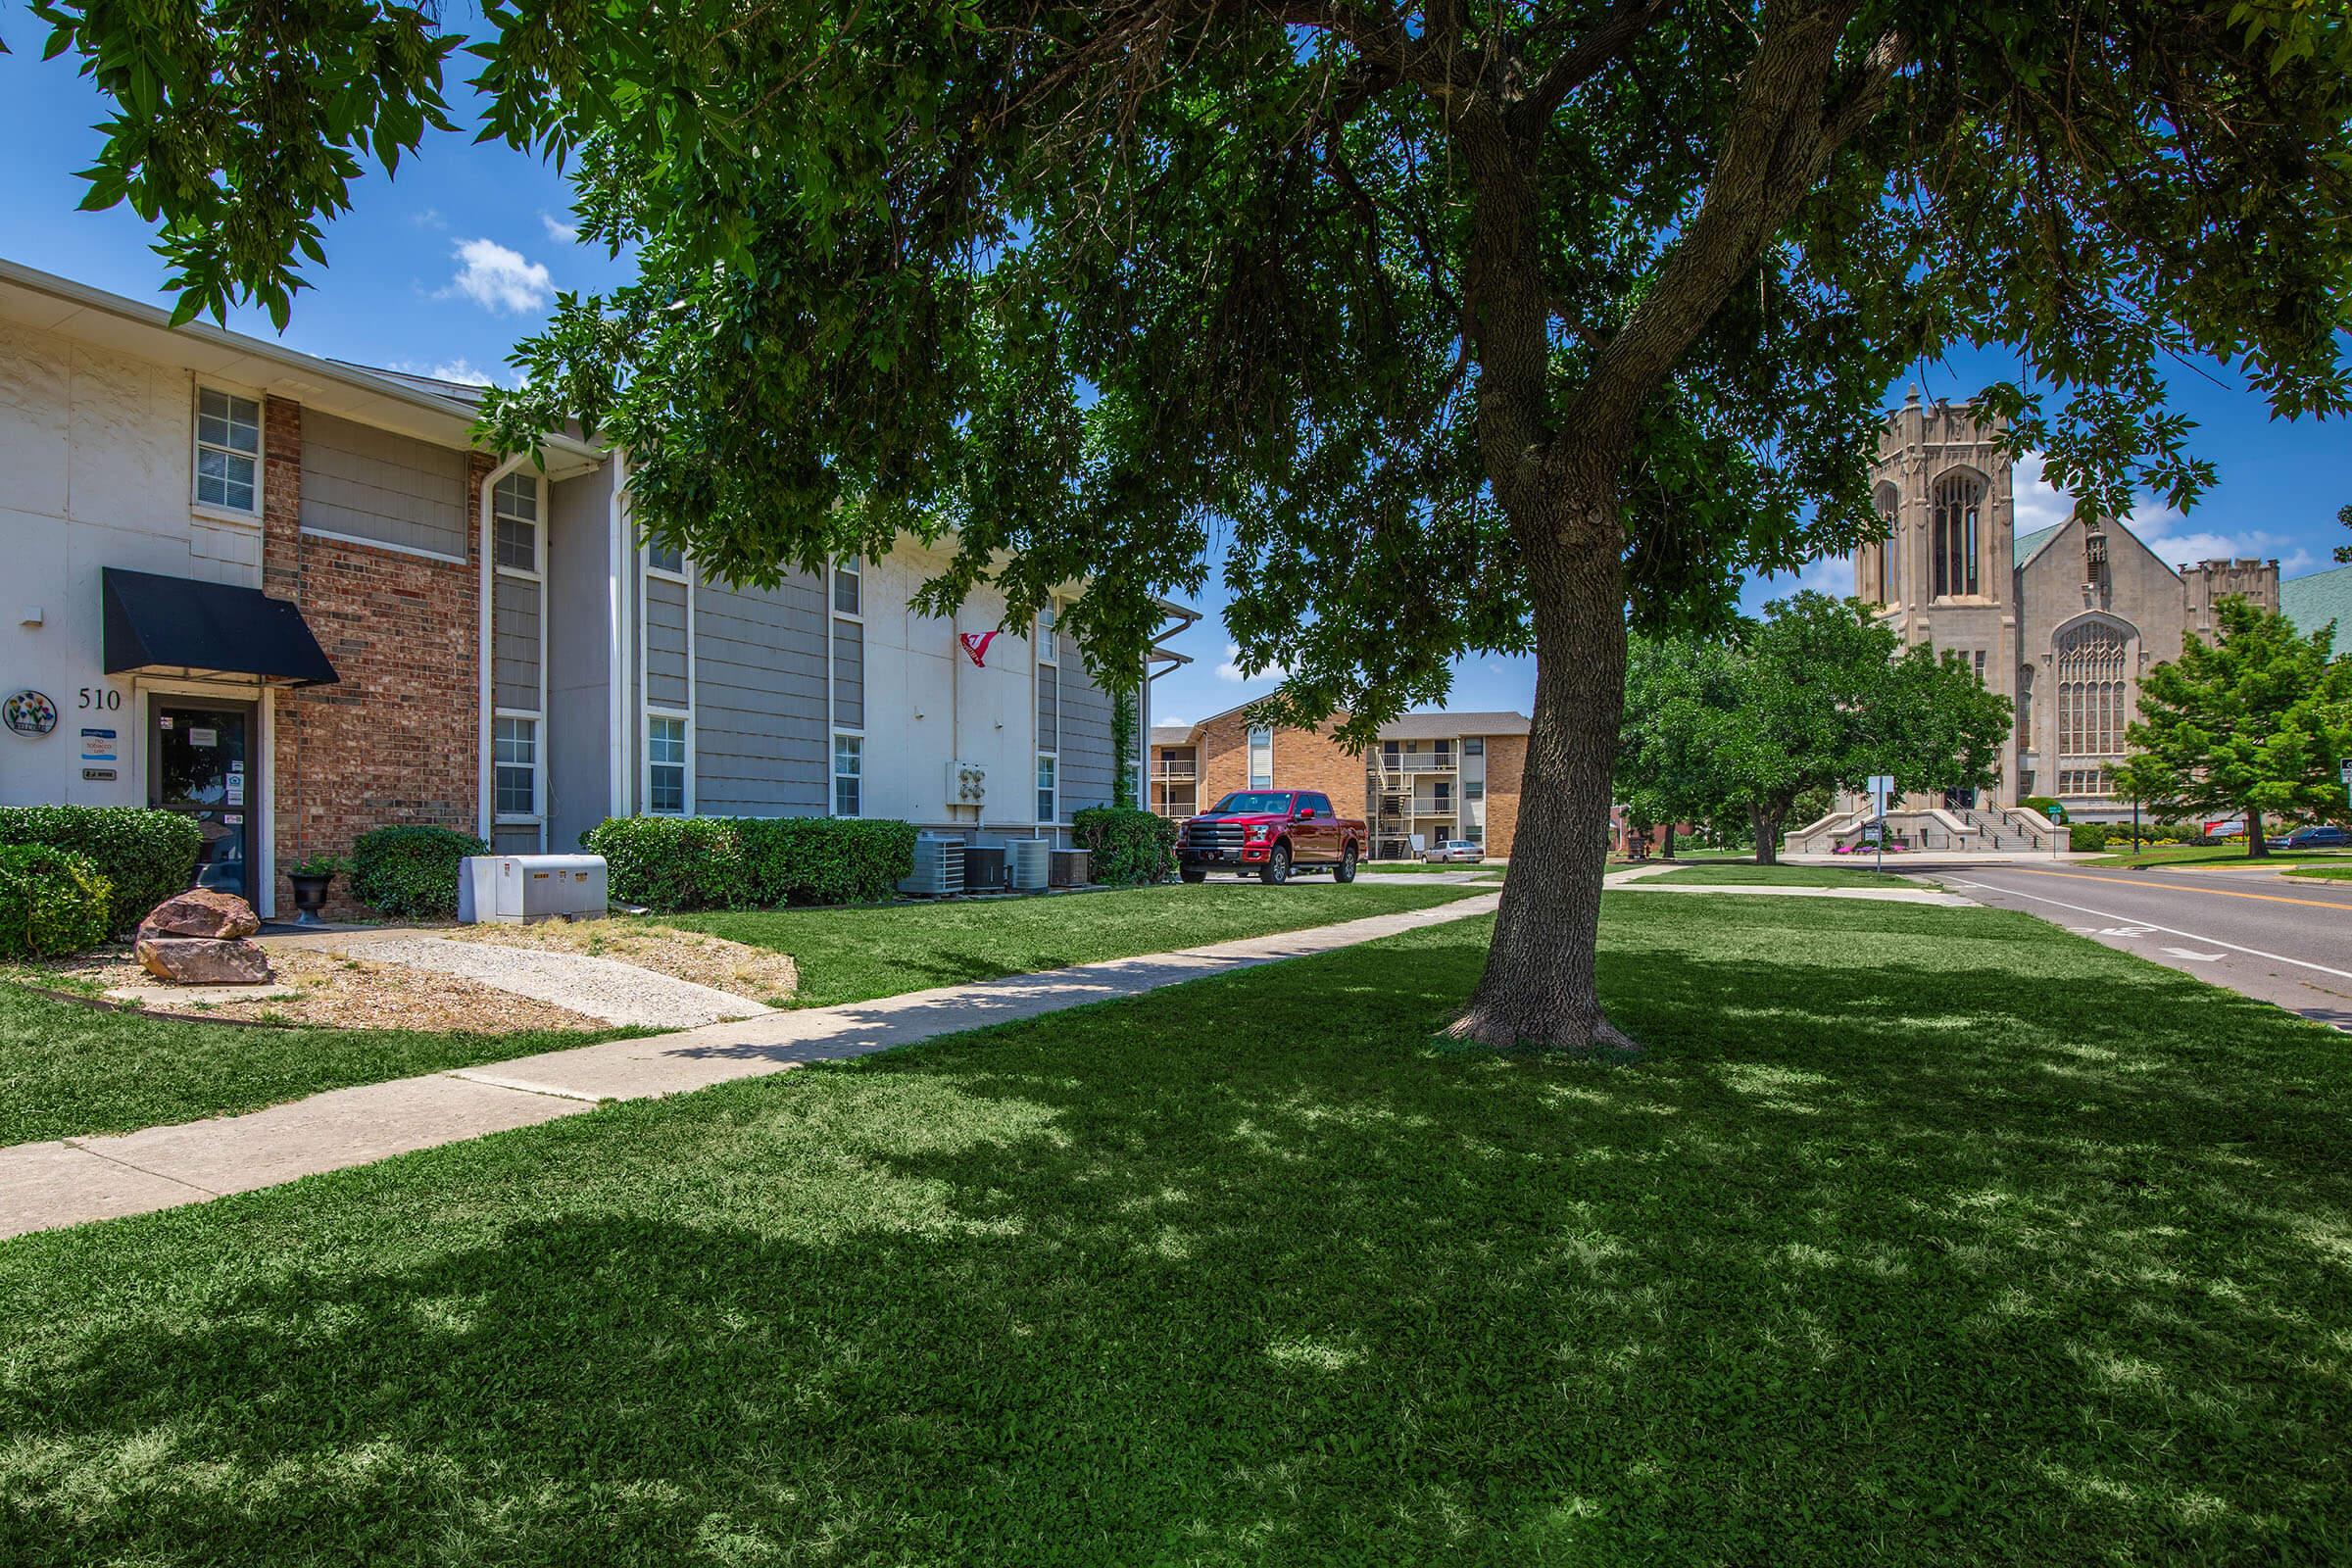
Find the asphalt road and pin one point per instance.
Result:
(2283, 939)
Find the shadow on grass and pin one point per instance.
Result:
(1986, 1252)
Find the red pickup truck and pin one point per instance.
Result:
(1272, 832)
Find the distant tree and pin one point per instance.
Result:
(2344, 514)
(2253, 724)
(1816, 697)
(1673, 686)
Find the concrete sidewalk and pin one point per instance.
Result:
(74, 1180)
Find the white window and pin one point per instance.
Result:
(229, 450)
(848, 587)
(665, 765)
(516, 751)
(1474, 746)
(665, 560)
(1262, 758)
(515, 530)
(848, 768)
(1049, 634)
(1045, 794)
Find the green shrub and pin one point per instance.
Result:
(822, 860)
(1126, 846)
(2090, 836)
(2039, 803)
(144, 856)
(411, 872)
(52, 902)
(750, 862)
(672, 863)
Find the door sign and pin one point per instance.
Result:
(98, 745)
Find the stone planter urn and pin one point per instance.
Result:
(310, 896)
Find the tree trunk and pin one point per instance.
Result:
(1538, 991)
(2256, 848)
(1767, 835)
(1670, 841)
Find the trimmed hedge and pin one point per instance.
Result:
(750, 862)
(52, 902)
(1126, 846)
(411, 872)
(145, 855)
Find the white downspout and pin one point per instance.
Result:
(618, 557)
(484, 801)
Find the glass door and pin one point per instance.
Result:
(198, 757)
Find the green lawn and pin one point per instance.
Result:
(2216, 854)
(2330, 873)
(1748, 873)
(857, 954)
(67, 1069)
(1920, 1236)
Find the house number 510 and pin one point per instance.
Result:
(104, 698)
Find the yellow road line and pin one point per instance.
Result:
(2211, 893)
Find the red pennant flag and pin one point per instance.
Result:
(975, 643)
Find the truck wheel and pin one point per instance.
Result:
(1277, 869)
(1193, 873)
(1346, 868)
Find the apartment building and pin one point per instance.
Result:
(1431, 776)
(293, 599)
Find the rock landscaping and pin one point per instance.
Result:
(203, 937)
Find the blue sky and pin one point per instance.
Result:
(442, 269)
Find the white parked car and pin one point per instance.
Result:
(1453, 849)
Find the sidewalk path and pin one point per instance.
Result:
(1787, 890)
(73, 1180)
(601, 988)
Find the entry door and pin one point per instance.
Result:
(199, 764)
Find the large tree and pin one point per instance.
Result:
(1454, 327)
(2255, 724)
(1817, 696)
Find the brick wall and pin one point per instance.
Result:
(1303, 759)
(397, 738)
(1506, 760)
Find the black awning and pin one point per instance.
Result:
(157, 622)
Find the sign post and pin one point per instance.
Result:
(1882, 789)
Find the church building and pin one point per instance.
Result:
(2064, 622)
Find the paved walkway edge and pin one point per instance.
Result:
(77, 1180)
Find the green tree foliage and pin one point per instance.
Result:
(1817, 696)
(2255, 724)
(1452, 327)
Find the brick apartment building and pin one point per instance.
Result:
(293, 599)
(1432, 776)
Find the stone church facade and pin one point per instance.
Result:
(2063, 621)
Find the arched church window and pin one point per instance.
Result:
(1959, 502)
(1888, 500)
(2091, 702)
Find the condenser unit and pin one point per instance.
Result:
(938, 866)
(984, 869)
(1031, 862)
(510, 889)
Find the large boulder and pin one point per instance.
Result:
(201, 913)
(203, 961)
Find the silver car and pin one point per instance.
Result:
(1451, 850)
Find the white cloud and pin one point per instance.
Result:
(2163, 530)
(1170, 721)
(559, 231)
(1231, 669)
(461, 370)
(430, 218)
(499, 279)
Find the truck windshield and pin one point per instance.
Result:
(1255, 802)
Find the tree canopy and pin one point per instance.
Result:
(1819, 694)
(2255, 724)
(1437, 328)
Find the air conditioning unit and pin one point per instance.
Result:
(1071, 868)
(1031, 862)
(938, 866)
(510, 889)
(984, 869)
(968, 784)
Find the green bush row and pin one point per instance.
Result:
(1126, 847)
(2089, 836)
(411, 872)
(750, 862)
(144, 856)
(52, 902)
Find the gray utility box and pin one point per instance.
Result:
(984, 869)
(1070, 869)
(509, 888)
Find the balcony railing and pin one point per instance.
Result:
(1167, 771)
(1418, 762)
